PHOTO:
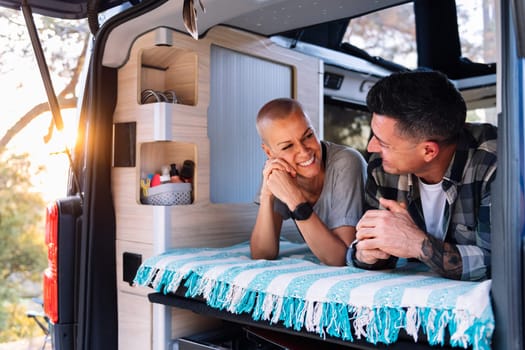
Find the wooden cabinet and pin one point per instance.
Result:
(171, 132)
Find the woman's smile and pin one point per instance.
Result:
(308, 162)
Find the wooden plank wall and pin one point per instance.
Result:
(185, 64)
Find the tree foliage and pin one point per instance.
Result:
(62, 41)
(391, 33)
(65, 44)
(22, 252)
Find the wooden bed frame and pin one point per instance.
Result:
(199, 307)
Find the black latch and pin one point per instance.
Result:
(130, 264)
(333, 81)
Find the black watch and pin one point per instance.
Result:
(381, 264)
(303, 211)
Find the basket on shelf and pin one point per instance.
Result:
(168, 194)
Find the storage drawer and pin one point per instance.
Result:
(232, 337)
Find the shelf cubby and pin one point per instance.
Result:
(154, 155)
(167, 69)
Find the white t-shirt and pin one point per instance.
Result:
(433, 201)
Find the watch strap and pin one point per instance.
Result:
(381, 264)
(303, 211)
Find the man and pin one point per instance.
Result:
(318, 184)
(429, 180)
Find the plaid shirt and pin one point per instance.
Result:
(466, 184)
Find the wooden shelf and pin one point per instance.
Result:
(169, 69)
(155, 155)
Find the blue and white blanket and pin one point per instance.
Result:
(344, 302)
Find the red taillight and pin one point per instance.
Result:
(51, 273)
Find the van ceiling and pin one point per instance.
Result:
(281, 16)
(265, 17)
(261, 16)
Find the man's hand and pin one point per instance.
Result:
(382, 233)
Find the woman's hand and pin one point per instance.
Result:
(270, 166)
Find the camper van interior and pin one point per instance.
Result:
(173, 82)
(256, 56)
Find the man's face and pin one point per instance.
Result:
(400, 155)
(293, 139)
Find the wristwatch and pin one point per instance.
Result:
(303, 211)
(380, 264)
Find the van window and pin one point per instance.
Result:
(347, 124)
(391, 33)
(483, 115)
(477, 29)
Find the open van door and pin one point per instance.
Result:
(63, 217)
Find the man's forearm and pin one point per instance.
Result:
(443, 258)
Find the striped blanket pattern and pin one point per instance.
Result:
(343, 302)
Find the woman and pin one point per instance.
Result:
(317, 184)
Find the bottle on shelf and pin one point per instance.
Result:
(174, 174)
(187, 171)
(165, 174)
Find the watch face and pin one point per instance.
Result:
(303, 211)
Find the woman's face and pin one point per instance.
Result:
(293, 139)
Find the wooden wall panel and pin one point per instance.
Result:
(201, 223)
(135, 328)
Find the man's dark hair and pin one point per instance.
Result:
(426, 105)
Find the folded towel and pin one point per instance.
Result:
(343, 302)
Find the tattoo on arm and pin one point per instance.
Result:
(444, 258)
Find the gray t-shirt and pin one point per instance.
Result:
(342, 199)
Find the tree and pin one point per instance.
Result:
(65, 45)
(391, 34)
(22, 252)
